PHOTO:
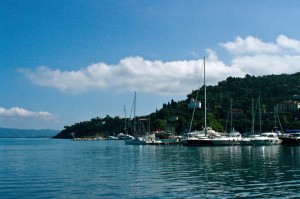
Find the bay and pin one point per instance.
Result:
(51, 168)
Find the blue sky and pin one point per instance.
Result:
(64, 61)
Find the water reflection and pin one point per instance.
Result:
(233, 171)
(111, 169)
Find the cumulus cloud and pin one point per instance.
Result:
(131, 73)
(21, 112)
(250, 45)
(17, 117)
(255, 57)
(248, 55)
(134, 74)
(288, 44)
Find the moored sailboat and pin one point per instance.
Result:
(269, 138)
(208, 133)
(233, 138)
(138, 139)
(126, 136)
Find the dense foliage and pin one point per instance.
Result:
(264, 92)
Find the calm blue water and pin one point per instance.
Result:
(47, 168)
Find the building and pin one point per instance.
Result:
(294, 106)
(194, 104)
(288, 106)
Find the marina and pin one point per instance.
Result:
(149, 99)
(235, 139)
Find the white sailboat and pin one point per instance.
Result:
(268, 138)
(138, 139)
(205, 137)
(126, 136)
(233, 138)
(246, 141)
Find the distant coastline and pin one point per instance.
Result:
(27, 133)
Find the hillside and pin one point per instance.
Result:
(263, 91)
(25, 133)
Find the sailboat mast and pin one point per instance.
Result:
(275, 127)
(205, 122)
(134, 109)
(259, 110)
(148, 126)
(252, 130)
(231, 128)
(125, 120)
(278, 118)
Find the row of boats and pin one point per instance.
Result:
(211, 138)
(120, 136)
(263, 139)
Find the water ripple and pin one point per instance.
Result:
(42, 168)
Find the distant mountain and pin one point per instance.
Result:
(26, 133)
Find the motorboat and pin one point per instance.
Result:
(144, 140)
(137, 141)
(264, 139)
(112, 138)
(122, 136)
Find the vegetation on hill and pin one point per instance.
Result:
(264, 92)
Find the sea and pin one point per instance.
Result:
(60, 168)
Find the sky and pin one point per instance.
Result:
(67, 61)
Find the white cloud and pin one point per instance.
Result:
(21, 112)
(131, 73)
(248, 56)
(267, 64)
(288, 44)
(17, 117)
(250, 45)
(217, 71)
(255, 57)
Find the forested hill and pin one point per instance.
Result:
(264, 91)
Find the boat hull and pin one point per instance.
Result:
(245, 142)
(199, 142)
(135, 142)
(290, 141)
(265, 142)
(226, 141)
(266, 139)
